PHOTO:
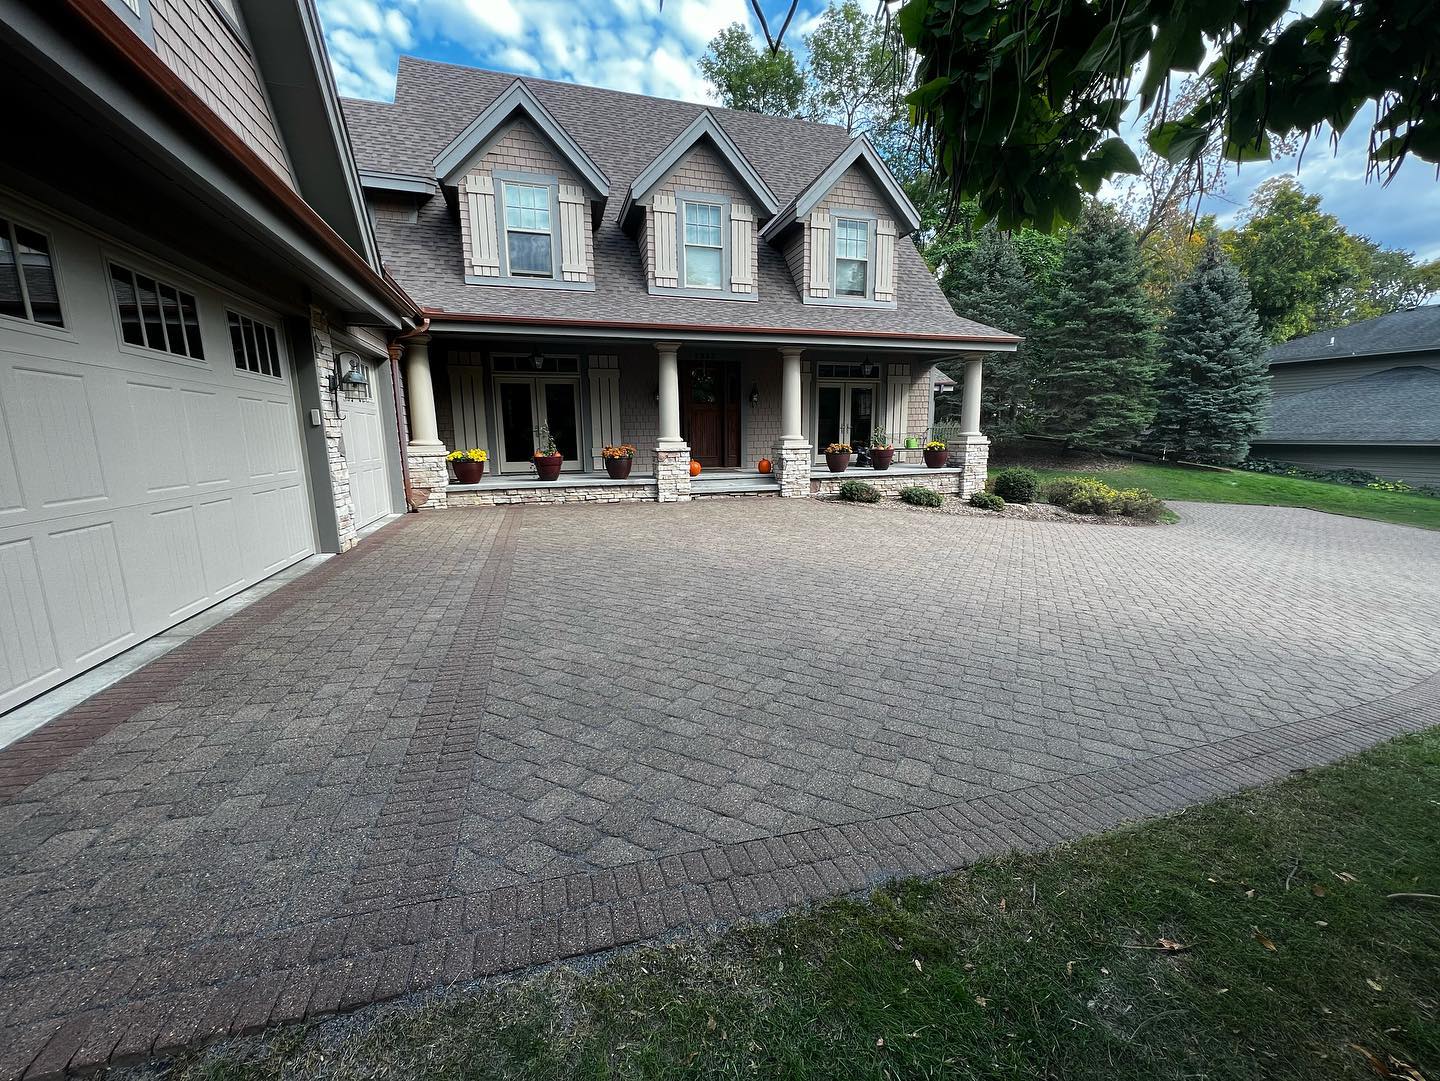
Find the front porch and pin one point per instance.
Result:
(726, 407)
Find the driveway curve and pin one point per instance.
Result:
(488, 739)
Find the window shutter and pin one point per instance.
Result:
(885, 260)
(820, 253)
(742, 248)
(573, 230)
(604, 405)
(662, 235)
(477, 226)
(898, 412)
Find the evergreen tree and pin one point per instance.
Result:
(1214, 389)
(1094, 341)
(991, 286)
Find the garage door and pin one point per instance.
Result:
(365, 454)
(150, 459)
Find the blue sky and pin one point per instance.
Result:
(635, 45)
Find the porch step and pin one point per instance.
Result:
(728, 484)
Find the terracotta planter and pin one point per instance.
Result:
(881, 457)
(468, 472)
(619, 468)
(838, 462)
(936, 459)
(547, 467)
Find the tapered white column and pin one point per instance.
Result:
(792, 424)
(420, 392)
(669, 419)
(970, 403)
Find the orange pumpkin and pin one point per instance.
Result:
(764, 466)
(694, 468)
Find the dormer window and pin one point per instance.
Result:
(852, 257)
(529, 238)
(704, 246)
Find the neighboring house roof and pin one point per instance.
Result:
(623, 134)
(942, 383)
(859, 152)
(1398, 405)
(705, 126)
(1413, 331)
(517, 99)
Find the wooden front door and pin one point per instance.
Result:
(711, 413)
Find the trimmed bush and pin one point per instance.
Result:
(921, 497)
(1081, 495)
(1017, 485)
(857, 491)
(1139, 504)
(987, 501)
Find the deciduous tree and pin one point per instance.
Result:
(755, 80)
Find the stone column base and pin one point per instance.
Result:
(972, 454)
(793, 462)
(672, 473)
(428, 477)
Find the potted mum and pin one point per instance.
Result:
(882, 451)
(618, 460)
(937, 453)
(469, 465)
(548, 459)
(837, 457)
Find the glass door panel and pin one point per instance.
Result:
(828, 397)
(862, 415)
(516, 409)
(562, 416)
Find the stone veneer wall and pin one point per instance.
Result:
(945, 481)
(672, 475)
(560, 493)
(333, 429)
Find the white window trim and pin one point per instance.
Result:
(869, 225)
(552, 198)
(127, 261)
(723, 248)
(727, 289)
(30, 326)
(283, 376)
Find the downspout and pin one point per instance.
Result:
(402, 423)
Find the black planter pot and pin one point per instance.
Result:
(548, 468)
(881, 457)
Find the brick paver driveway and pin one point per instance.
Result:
(486, 739)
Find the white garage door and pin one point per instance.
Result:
(365, 454)
(150, 459)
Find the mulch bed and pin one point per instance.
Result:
(1034, 512)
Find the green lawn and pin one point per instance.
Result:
(1237, 486)
(1295, 965)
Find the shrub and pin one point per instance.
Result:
(1081, 495)
(987, 501)
(1139, 504)
(1389, 486)
(857, 491)
(921, 497)
(1016, 485)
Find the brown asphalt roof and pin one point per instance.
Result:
(623, 133)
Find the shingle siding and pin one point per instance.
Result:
(1299, 377)
(1414, 465)
(199, 45)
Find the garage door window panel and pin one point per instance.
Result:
(155, 314)
(255, 345)
(29, 289)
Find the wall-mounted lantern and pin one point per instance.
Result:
(349, 378)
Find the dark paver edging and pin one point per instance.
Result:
(233, 986)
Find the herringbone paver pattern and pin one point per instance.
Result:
(489, 739)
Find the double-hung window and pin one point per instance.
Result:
(704, 246)
(529, 240)
(852, 257)
(28, 289)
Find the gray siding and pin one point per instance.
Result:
(1308, 375)
(1413, 465)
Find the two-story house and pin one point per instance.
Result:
(195, 386)
(704, 284)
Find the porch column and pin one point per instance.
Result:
(672, 453)
(793, 455)
(971, 452)
(970, 403)
(425, 454)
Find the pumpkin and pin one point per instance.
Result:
(694, 468)
(764, 465)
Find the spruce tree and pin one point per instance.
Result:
(1214, 387)
(992, 287)
(1095, 340)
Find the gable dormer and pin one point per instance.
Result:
(838, 234)
(696, 211)
(528, 195)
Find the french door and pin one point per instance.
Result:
(845, 413)
(525, 403)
